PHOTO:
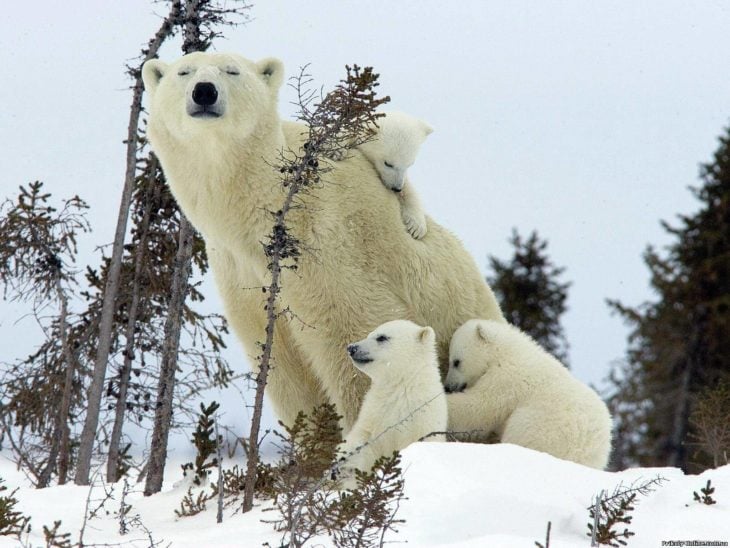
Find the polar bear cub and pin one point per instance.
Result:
(392, 151)
(502, 381)
(406, 400)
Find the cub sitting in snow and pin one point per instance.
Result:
(406, 400)
(500, 380)
(392, 151)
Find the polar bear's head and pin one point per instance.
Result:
(202, 95)
(471, 351)
(394, 349)
(394, 147)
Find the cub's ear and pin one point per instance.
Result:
(482, 334)
(426, 335)
(271, 71)
(427, 130)
(152, 72)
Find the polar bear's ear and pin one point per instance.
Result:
(427, 130)
(271, 71)
(152, 72)
(482, 334)
(426, 335)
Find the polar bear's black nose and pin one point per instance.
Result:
(352, 349)
(205, 94)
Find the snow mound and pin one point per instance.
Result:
(459, 495)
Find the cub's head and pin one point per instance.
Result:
(471, 351)
(393, 349)
(202, 93)
(395, 146)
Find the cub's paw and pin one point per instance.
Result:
(415, 223)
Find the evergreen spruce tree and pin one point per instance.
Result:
(530, 293)
(680, 343)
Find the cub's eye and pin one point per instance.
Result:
(183, 72)
(388, 165)
(232, 71)
(381, 338)
(456, 364)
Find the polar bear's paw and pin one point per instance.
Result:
(415, 222)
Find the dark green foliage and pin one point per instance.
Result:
(706, 495)
(125, 461)
(310, 503)
(613, 514)
(54, 539)
(192, 504)
(530, 293)
(616, 508)
(680, 343)
(42, 393)
(710, 422)
(205, 444)
(363, 516)
(12, 522)
(311, 442)
(38, 244)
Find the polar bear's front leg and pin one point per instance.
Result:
(412, 212)
(471, 415)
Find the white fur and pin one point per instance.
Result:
(358, 268)
(392, 151)
(517, 390)
(406, 400)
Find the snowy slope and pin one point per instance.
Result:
(459, 495)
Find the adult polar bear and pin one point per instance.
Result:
(215, 128)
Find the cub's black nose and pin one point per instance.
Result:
(352, 349)
(205, 94)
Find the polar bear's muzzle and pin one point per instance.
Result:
(203, 102)
(358, 355)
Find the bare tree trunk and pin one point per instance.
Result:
(59, 446)
(680, 427)
(64, 450)
(261, 379)
(219, 455)
(86, 443)
(151, 197)
(166, 388)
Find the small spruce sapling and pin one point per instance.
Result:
(206, 443)
(706, 495)
(192, 505)
(610, 512)
(363, 516)
(55, 539)
(12, 522)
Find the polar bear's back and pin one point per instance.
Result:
(354, 224)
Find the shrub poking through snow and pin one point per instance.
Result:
(706, 494)
(55, 539)
(609, 513)
(12, 522)
(307, 499)
(206, 444)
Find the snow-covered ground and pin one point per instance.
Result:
(459, 495)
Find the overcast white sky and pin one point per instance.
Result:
(583, 120)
